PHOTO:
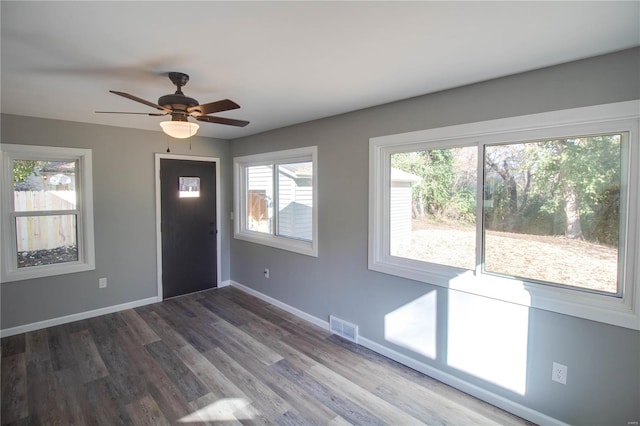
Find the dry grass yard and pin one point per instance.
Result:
(545, 258)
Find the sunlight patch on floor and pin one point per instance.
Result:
(226, 409)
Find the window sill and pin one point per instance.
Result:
(306, 248)
(611, 310)
(46, 271)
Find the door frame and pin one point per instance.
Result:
(161, 156)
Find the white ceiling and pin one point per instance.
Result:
(283, 62)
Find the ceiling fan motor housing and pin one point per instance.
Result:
(177, 102)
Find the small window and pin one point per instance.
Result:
(276, 199)
(189, 187)
(47, 211)
(539, 210)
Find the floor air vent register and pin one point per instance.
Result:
(343, 328)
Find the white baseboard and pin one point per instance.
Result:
(453, 381)
(295, 311)
(76, 317)
(225, 283)
(464, 386)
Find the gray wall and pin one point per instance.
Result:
(604, 361)
(124, 217)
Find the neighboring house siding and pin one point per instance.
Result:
(295, 213)
(400, 213)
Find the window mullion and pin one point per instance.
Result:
(276, 198)
(244, 207)
(480, 210)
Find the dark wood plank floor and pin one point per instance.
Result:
(216, 357)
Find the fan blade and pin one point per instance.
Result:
(210, 108)
(137, 99)
(221, 120)
(153, 114)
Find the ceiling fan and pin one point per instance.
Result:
(180, 107)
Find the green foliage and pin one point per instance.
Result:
(591, 164)
(22, 169)
(437, 181)
(463, 203)
(556, 180)
(442, 192)
(603, 225)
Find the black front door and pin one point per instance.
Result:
(188, 204)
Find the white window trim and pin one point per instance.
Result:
(309, 248)
(623, 116)
(85, 237)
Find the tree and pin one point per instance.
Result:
(510, 193)
(435, 167)
(575, 174)
(567, 178)
(22, 169)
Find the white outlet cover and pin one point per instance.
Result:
(559, 373)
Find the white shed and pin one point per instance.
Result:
(400, 205)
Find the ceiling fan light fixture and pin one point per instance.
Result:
(179, 129)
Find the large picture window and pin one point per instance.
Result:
(47, 211)
(275, 196)
(540, 210)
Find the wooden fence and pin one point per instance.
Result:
(45, 232)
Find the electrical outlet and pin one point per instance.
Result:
(559, 373)
(266, 272)
(102, 283)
